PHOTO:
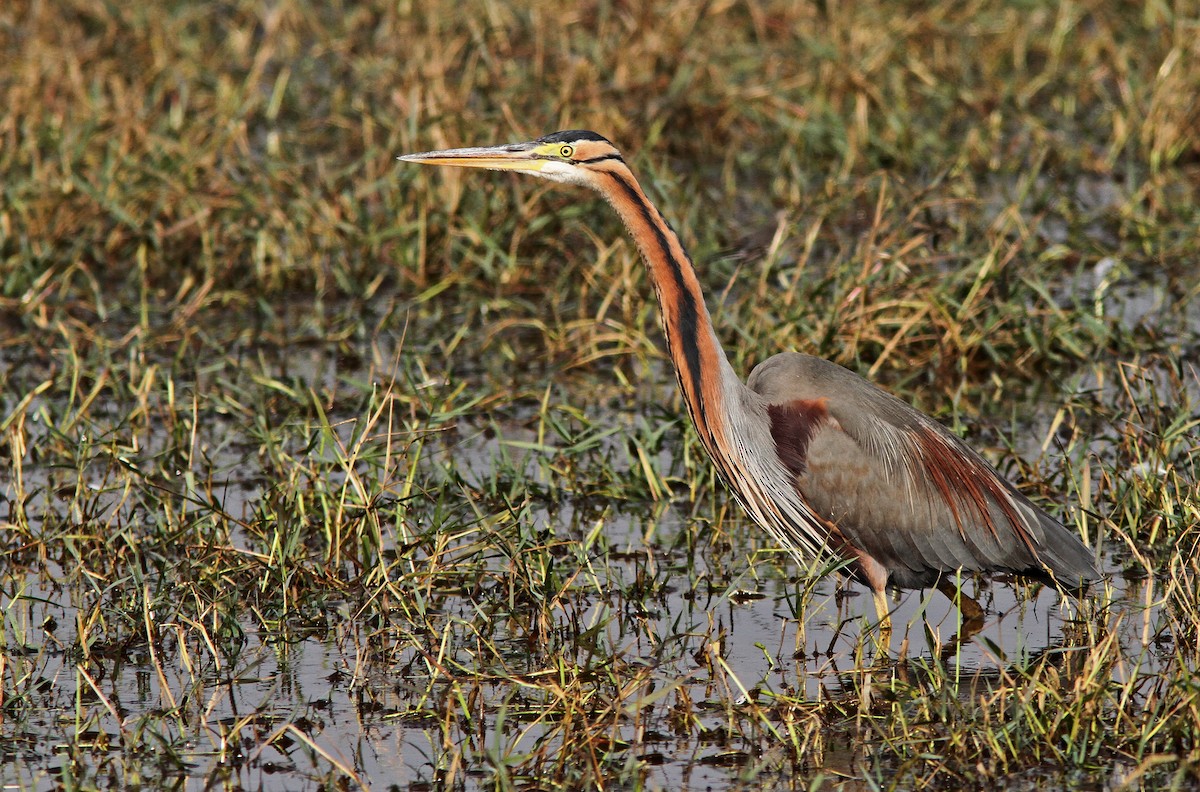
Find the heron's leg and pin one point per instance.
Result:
(971, 610)
(882, 611)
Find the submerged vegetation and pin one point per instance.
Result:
(317, 471)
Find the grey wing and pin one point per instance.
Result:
(900, 488)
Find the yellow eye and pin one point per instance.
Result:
(566, 151)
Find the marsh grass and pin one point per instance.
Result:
(320, 471)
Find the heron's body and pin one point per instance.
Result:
(828, 463)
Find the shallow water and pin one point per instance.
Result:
(366, 698)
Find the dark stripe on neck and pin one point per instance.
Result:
(601, 158)
(689, 312)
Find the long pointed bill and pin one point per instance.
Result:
(513, 157)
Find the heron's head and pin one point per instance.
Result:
(571, 156)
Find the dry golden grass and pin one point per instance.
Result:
(267, 395)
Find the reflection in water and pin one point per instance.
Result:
(389, 701)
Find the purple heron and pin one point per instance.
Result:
(830, 465)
